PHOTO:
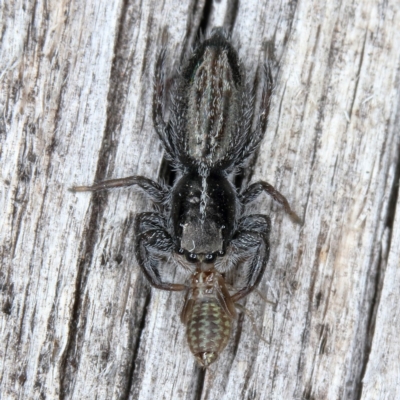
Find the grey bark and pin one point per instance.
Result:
(78, 321)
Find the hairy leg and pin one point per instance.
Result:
(252, 239)
(162, 128)
(255, 189)
(155, 191)
(244, 145)
(254, 138)
(153, 242)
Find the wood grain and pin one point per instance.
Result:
(78, 321)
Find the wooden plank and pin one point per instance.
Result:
(79, 321)
(332, 147)
(78, 74)
(382, 378)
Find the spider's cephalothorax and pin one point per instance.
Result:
(207, 138)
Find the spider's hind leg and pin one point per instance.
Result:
(163, 129)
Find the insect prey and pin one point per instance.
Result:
(208, 313)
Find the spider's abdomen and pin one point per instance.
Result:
(208, 330)
(213, 88)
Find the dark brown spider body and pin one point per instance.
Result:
(198, 234)
(212, 92)
(207, 139)
(208, 314)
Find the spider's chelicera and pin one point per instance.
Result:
(207, 139)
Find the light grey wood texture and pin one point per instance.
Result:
(77, 319)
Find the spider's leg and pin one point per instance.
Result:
(250, 140)
(152, 243)
(255, 189)
(155, 191)
(252, 239)
(162, 128)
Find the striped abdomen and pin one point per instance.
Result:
(213, 86)
(208, 330)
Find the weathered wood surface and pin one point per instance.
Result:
(78, 321)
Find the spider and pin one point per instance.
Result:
(207, 139)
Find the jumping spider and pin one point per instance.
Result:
(207, 139)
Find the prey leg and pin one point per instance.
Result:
(253, 322)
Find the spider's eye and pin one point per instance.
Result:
(210, 257)
(181, 251)
(191, 257)
(221, 253)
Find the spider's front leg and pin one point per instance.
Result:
(152, 243)
(252, 241)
